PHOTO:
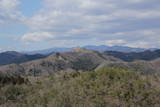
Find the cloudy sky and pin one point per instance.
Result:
(40, 24)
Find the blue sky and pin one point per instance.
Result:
(40, 24)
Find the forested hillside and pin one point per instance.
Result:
(108, 87)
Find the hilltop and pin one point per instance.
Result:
(10, 57)
(77, 59)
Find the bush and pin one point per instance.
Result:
(12, 80)
(111, 87)
(11, 93)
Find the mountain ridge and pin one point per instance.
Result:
(10, 57)
(91, 47)
(147, 55)
(77, 59)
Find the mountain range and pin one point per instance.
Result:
(91, 47)
(124, 53)
(80, 59)
(132, 56)
(10, 57)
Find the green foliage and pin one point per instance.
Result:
(108, 87)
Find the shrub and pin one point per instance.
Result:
(108, 87)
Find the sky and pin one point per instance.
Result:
(41, 24)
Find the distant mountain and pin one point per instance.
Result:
(48, 51)
(114, 48)
(76, 59)
(16, 57)
(132, 56)
(10, 57)
(91, 47)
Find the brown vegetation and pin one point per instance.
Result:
(108, 87)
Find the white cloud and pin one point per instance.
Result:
(135, 1)
(115, 42)
(148, 38)
(134, 14)
(9, 5)
(115, 22)
(9, 12)
(62, 14)
(37, 37)
(140, 44)
(62, 43)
